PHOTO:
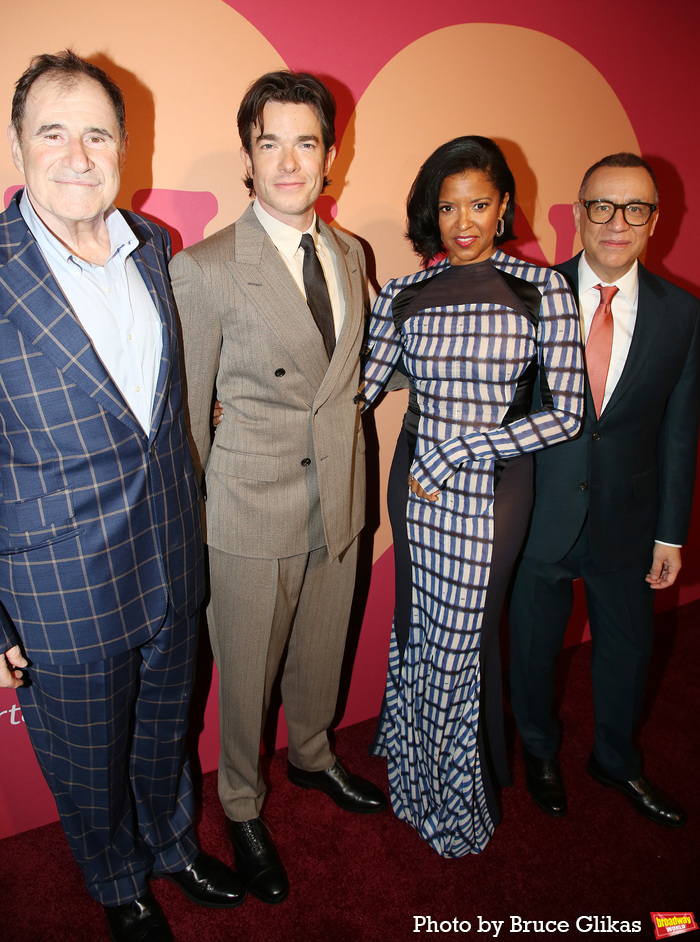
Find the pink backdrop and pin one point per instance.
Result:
(557, 84)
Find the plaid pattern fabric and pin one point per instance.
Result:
(100, 570)
(99, 521)
(109, 737)
(465, 361)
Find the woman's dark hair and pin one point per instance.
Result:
(461, 155)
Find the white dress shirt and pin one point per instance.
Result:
(624, 312)
(113, 306)
(287, 241)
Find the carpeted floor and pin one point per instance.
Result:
(367, 879)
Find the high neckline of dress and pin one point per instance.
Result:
(474, 268)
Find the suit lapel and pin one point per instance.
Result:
(152, 269)
(263, 274)
(650, 319)
(350, 285)
(38, 309)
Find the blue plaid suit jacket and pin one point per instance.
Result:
(99, 521)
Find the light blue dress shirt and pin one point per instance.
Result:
(113, 306)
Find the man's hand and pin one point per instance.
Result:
(665, 566)
(12, 664)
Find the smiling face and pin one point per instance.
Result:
(469, 208)
(287, 162)
(69, 152)
(611, 248)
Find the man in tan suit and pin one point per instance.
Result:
(284, 476)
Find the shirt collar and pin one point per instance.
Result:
(121, 236)
(628, 284)
(286, 238)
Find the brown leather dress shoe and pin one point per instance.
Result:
(644, 796)
(257, 862)
(348, 791)
(545, 784)
(208, 882)
(141, 920)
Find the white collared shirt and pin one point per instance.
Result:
(113, 306)
(287, 241)
(624, 312)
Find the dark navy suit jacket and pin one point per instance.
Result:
(633, 470)
(99, 520)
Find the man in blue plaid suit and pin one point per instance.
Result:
(100, 542)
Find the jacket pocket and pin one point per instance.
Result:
(37, 521)
(239, 465)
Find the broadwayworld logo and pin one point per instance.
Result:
(667, 925)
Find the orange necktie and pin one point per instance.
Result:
(599, 346)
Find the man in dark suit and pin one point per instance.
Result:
(100, 541)
(273, 312)
(613, 506)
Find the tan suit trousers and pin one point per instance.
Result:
(258, 607)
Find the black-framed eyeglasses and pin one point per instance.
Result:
(636, 214)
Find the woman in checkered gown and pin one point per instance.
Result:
(491, 350)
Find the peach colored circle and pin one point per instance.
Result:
(184, 68)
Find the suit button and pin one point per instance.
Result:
(596, 436)
(153, 451)
(306, 462)
(584, 486)
(280, 372)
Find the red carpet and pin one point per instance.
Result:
(361, 879)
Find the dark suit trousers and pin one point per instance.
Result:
(620, 610)
(110, 739)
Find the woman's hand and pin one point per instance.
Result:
(217, 413)
(418, 490)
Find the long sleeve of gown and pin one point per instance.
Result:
(560, 362)
(384, 340)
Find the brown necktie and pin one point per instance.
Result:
(317, 296)
(599, 346)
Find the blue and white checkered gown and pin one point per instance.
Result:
(465, 361)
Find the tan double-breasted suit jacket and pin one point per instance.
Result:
(285, 472)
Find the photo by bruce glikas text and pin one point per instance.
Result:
(516, 924)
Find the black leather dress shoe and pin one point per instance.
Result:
(208, 882)
(648, 799)
(257, 862)
(545, 784)
(349, 792)
(142, 920)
